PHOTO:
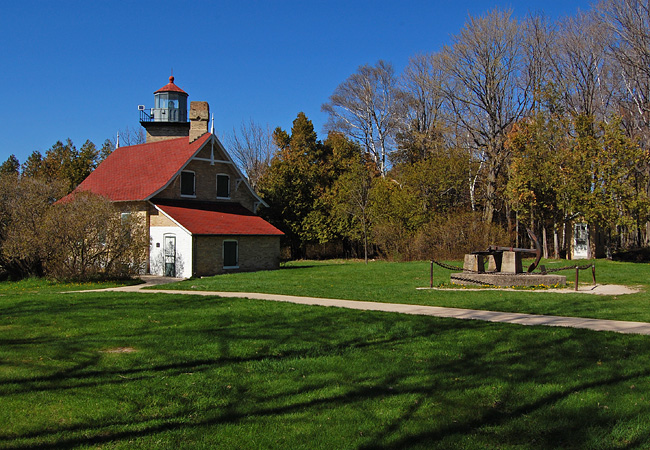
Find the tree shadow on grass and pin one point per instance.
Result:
(387, 357)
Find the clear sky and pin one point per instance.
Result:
(79, 69)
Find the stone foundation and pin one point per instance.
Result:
(507, 279)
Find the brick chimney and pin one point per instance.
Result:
(199, 119)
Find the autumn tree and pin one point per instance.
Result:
(24, 242)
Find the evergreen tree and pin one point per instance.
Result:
(10, 166)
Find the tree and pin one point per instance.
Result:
(10, 166)
(582, 70)
(351, 196)
(107, 149)
(487, 91)
(24, 243)
(364, 108)
(629, 23)
(422, 115)
(252, 149)
(33, 166)
(130, 136)
(294, 183)
(538, 188)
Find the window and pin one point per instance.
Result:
(188, 184)
(230, 255)
(223, 186)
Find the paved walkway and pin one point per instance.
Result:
(618, 326)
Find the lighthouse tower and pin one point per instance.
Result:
(168, 118)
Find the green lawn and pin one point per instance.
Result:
(397, 282)
(161, 371)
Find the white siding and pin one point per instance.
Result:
(183, 251)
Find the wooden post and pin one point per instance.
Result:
(431, 276)
(593, 273)
(577, 272)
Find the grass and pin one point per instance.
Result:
(133, 371)
(397, 282)
(115, 370)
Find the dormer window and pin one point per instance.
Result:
(223, 186)
(188, 184)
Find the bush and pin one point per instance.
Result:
(457, 235)
(94, 240)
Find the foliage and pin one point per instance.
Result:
(298, 182)
(25, 241)
(85, 238)
(95, 240)
(452, 236)
(64, 163)
(10, 166)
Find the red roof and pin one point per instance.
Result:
(140, 171)
(171, 87)
(209, 218)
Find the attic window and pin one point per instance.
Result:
(188, 185)
(223, 186)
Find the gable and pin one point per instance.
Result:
(210, 169)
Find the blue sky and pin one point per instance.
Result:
(78, 69)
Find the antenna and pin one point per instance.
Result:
(212, 127)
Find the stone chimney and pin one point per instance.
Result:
(199, 119)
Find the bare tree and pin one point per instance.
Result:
(363, 107)
(539, 35)
(252, 148)
(487, 89)
(422, 93)
(130, 136)
(582, 72)
(629, 23)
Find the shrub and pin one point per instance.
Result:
(94, 240)
(456, 235)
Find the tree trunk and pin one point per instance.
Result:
(556, 242)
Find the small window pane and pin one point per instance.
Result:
(223, 186)
(187, 183)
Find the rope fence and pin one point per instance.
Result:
(543, 271)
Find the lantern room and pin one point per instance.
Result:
(170, 104)
(168, 118)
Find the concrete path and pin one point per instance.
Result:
(618, 326)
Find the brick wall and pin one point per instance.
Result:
(199, 119)
(255, 253)
(206, 183)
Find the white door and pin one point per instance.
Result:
(580, 241)
(170, 255)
